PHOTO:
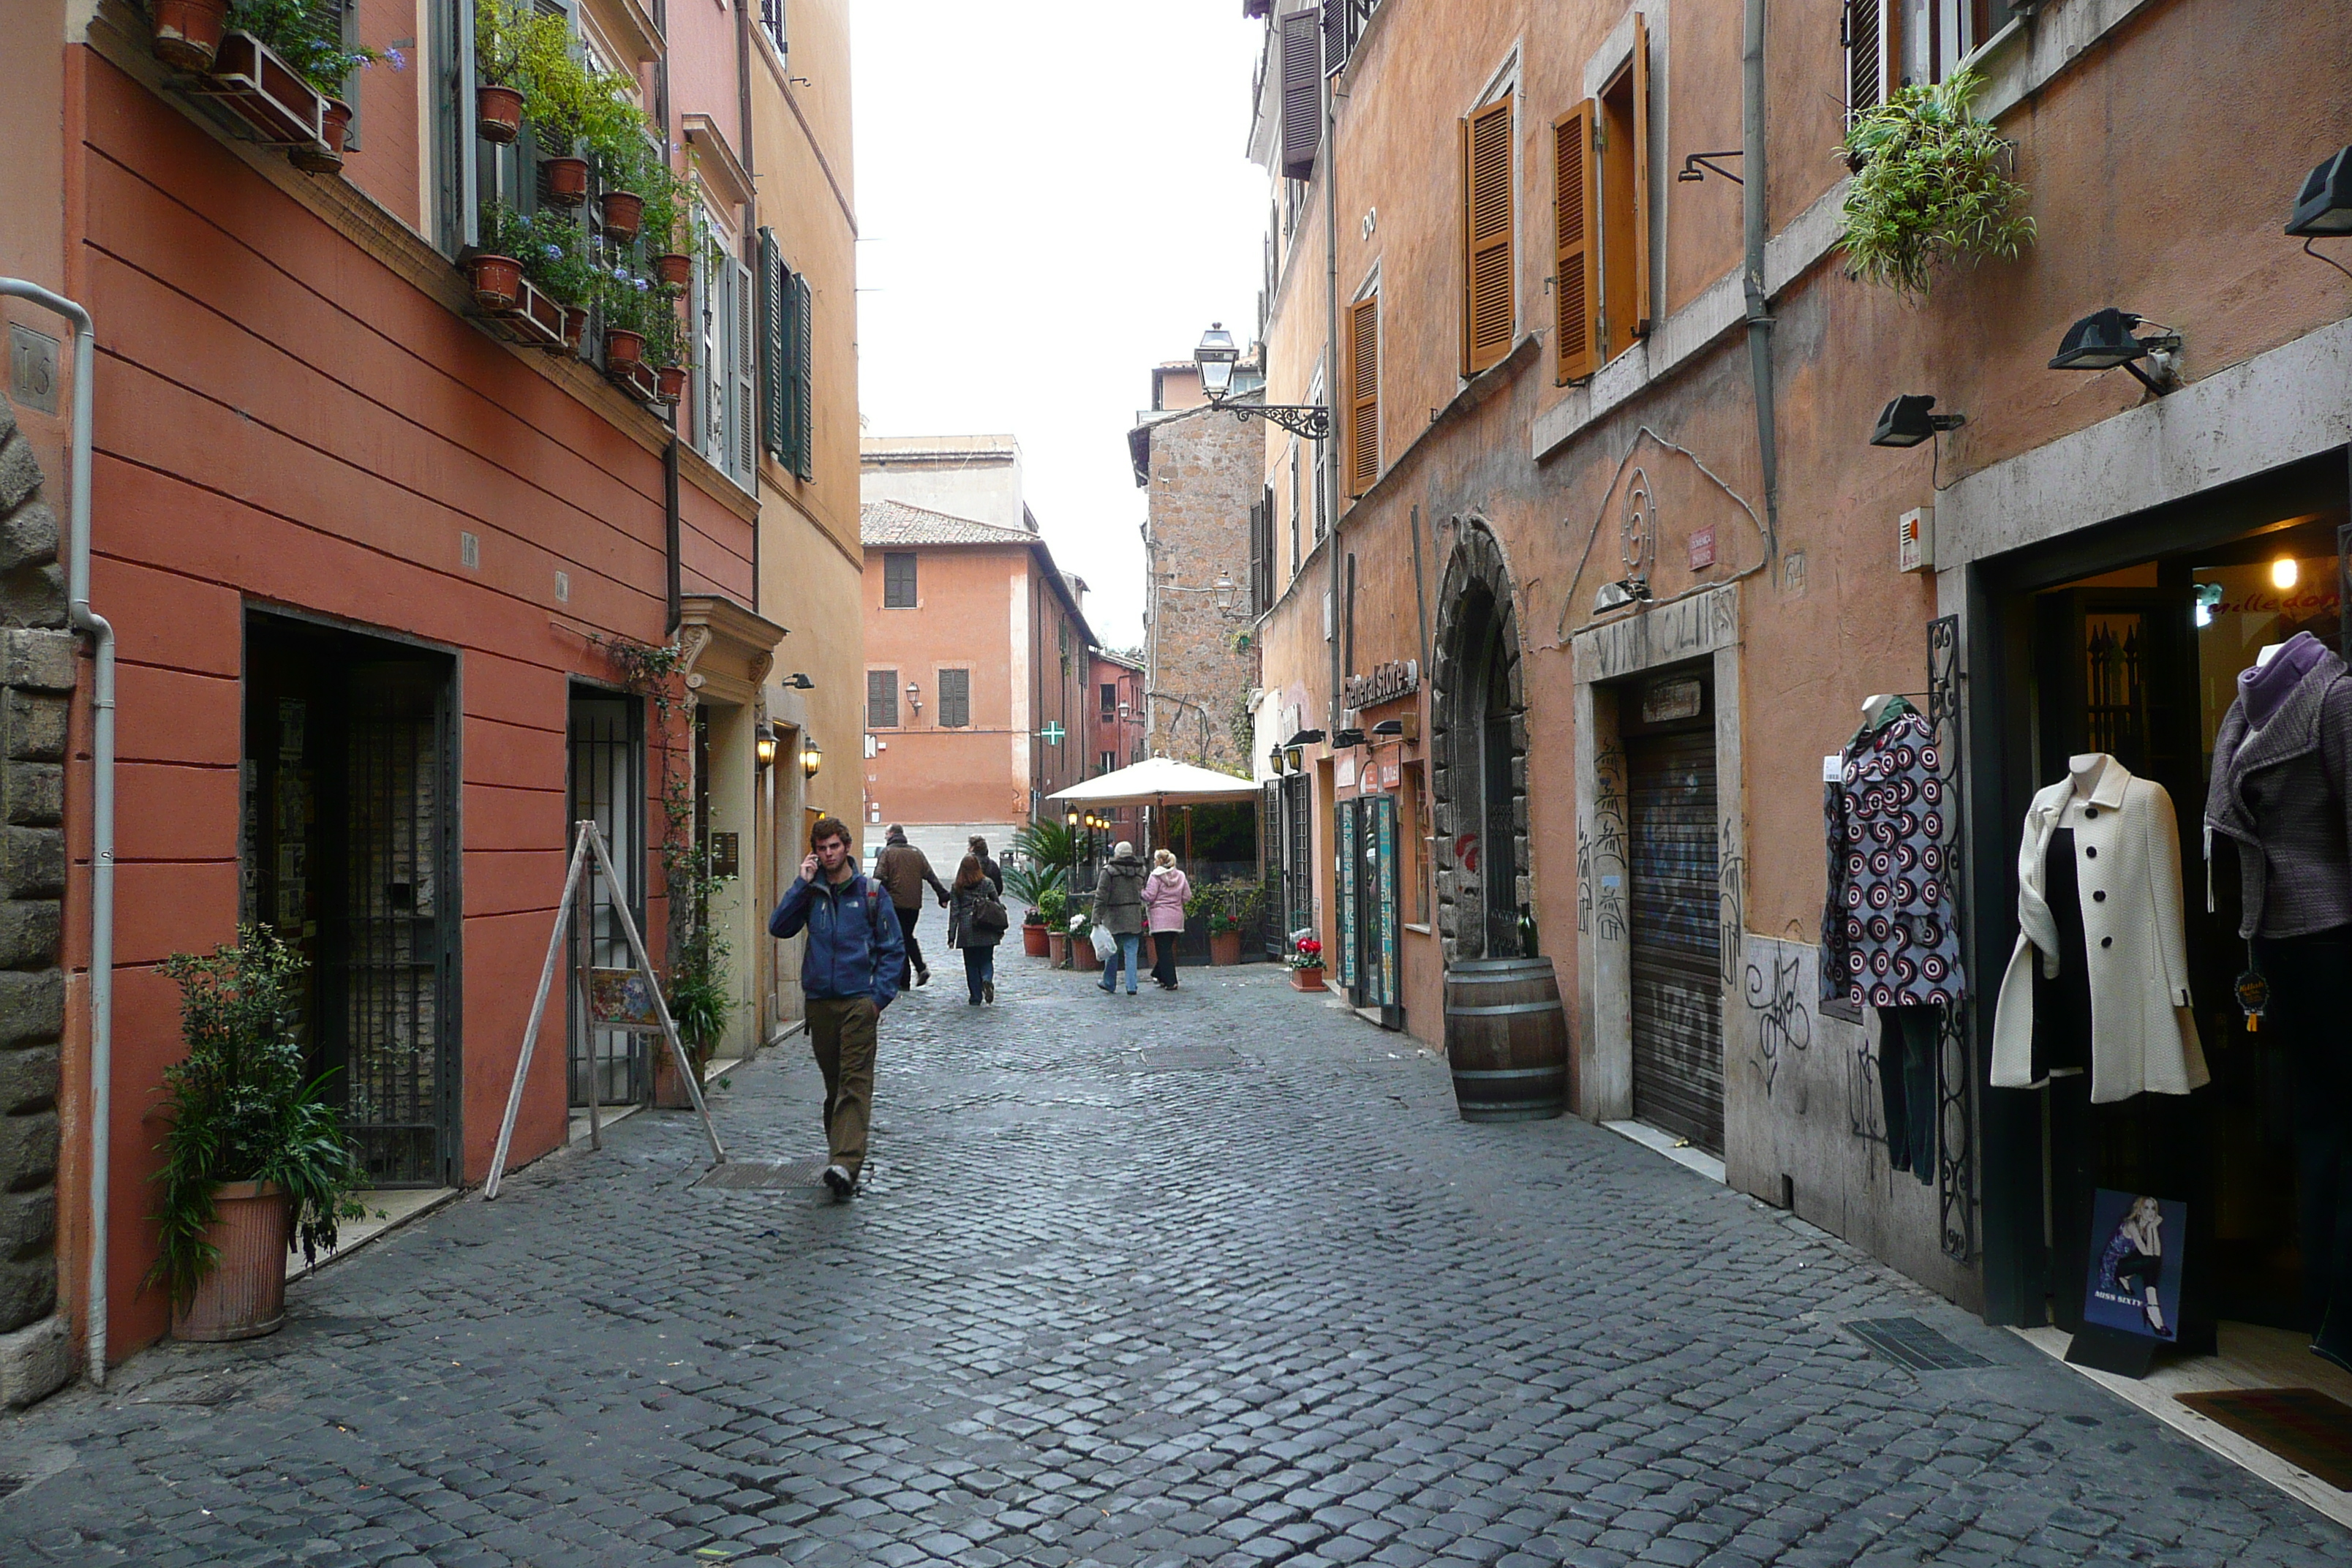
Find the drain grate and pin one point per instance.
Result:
(1907, 1341)
(764, 1175)
(1181, 1058)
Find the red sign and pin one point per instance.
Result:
(1702, 549)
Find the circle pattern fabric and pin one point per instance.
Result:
(1893, 940)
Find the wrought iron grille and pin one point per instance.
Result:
(608, 785)
(1956, 1173)
(772, 21)
(1298, 853)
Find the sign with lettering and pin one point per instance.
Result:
(1702, 549)
(33, 368)
(1398, 678)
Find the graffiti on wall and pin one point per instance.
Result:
(1601, 851)
(1774, 990)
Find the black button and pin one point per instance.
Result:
(2107, 941)
(2090, 851)
(2099, 897)
(2091, 811)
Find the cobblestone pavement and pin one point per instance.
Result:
(1210, 1278)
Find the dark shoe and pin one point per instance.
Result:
(922, 977)
(842, 1183)
(988, 990)
(1105, 986)
(971, 1001)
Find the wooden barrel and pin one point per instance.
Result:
(1506, 1037)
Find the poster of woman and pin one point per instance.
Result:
(2135, 1283)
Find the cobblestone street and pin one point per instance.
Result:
(1209, 1278)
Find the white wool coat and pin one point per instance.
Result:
(2128, 847)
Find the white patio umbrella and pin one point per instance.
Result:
(1159, 781)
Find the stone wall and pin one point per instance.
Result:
(36, 679)
(1207, 470)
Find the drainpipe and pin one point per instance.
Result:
(1330, 453)
(1759, 319)
(101, 816)
(674, 589)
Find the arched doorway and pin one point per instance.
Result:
(1479, 737)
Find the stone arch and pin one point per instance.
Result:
(1478, 744)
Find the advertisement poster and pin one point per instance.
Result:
(2135, 1274)
(621, 999)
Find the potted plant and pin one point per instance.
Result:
(1053, 910)
(495, 270)
(1231, 906)
(187, 33)
(1307, 961)
(1080, 953)
(701, 1003)
(1931, 189)
(624, 159)
(309, 39)
(512, 38)
(254, 1160)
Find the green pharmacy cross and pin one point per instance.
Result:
(1053, 732)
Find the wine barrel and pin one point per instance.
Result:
(1506, 1037)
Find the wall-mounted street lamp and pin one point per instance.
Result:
(812, 755)
(1216, 356)
(764, 751)
(1905, 422)
(1226, 592)
(914, 698)
(2102, 340)
(1698, 166)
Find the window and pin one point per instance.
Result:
(1110, 701)
(1864, 30)
(1319, 475)
(1107, 762)
(724, 355)
(899, 580)
(1600, 220)
(955, 699)
(787, 333)
(1929, 38)
(771, 22)
(881, 699)
(1363, 431)
(1488, 300)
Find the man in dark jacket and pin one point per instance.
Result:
(988, 866)
(850, 972)
(903, 869)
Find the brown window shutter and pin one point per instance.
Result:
(1640, 177)
(1363, 395)
(1302, 93)
(1487, 281)
(1865, 34)
(1576, 260)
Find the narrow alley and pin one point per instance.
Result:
(1209, 1278)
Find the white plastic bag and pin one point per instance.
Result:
(1106, 945)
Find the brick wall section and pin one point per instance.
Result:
(1207, 470)
(36, 679)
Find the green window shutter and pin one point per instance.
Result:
(773, 339)
(804, 378)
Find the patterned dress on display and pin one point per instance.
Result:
(1890, 928)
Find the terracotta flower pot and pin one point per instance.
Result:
(576, 321)
(497, 113)
(1224, 947)
(623, 211)
(1033, 940)
(327, 158)
(244, 1296)
(1304, 979)
(669, 1086)
(497, 281)
(188, 32)
(674, 269)
(669, 383)
(1058, 948)
(567, 180)
(623, 347)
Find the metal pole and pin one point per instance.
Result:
(583, 911)
(537, 1009)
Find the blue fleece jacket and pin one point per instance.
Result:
(855, 945)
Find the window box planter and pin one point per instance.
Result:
(1304, 977)
(528, 315)
(326, 157)
(633, 376)
(498, 282)
(267, 94)
(188, 32)
(241, 1297)
(624, 213)
(497, 113)
(674, 269)
(565, 180)
(671, 381)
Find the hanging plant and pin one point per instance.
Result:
(307, 38)
(1931, 189)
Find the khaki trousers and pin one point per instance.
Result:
(842, 1031)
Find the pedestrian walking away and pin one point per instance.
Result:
(976, 922)
(1118, 910)
(850, 973)
(903, 869)
(1165, 892)
(995, 873)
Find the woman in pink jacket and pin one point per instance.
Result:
(1164, 892)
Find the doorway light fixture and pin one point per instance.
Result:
(812, 756)
(1907, 422)
(764, 751)
(2102, 340)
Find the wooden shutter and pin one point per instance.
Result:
(1364, 394)
(955, 699)
(743, 434)
(1256, 567)
(1865, 57)
(1641, 204)
(1302, 93)
(1576, 259)
(1335, 36)
(803, 372)
(774, 346)
(881, 699)
(1487, 237)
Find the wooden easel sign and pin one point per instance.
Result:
(628, 999)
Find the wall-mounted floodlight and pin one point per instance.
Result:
(2325, 206)
(2102, 340)
(1907, 422)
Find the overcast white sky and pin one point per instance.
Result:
(1054, 198)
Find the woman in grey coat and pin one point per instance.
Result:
(1118, 910)
(973, 891)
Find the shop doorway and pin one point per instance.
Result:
(349, 850)
(1368, 905)
(607, 785)
(1673, 902)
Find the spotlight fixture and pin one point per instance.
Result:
(1303, 739)
(1617, 596)
(1392, 727)
(2102, 340)
(1905, 422)
(2325, 206)
(800, 682)
(1349, 738)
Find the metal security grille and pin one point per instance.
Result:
(608, 785)
(391, 958)
(1298, 853)
(1349, 851)
(1269, 869)
(1676, 936)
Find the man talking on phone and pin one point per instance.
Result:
(849, 973)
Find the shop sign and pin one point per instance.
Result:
(1664, 702)
(1398, 678)
(1388, 775)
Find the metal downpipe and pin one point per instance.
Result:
(101, 833)
(1753, 215)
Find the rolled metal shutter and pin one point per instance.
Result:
(1676, 936)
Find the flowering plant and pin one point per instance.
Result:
(1307, 952)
